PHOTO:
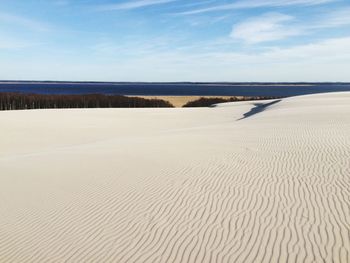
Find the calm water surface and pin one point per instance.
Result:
(173, 89)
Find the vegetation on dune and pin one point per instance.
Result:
(18, 101)
(209, 102)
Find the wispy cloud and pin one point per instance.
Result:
(132, 5)
(269, 27)
(325, 60)
(23, 22)
(318, 61)
(335, 18)
(255, 4)
(277, 26)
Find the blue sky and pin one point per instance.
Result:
(175, 40)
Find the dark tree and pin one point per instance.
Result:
(19, 101)
(209, 102)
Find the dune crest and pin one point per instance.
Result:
(178, 185)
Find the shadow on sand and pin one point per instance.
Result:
(258, 107)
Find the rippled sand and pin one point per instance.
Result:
(178, 185)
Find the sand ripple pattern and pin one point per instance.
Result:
(277, 191)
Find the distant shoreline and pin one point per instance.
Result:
(172, 89)
(219, 83)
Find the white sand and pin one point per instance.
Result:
(178, 185)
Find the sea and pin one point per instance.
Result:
(173, 89)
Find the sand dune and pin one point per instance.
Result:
(178, 185)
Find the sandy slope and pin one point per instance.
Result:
(178, 185)
(180, 101)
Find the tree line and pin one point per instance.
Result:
(19, 101)
(208, 102)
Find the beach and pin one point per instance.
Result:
(254, 181)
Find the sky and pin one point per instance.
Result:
(175, 40)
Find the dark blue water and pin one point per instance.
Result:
(169, 89)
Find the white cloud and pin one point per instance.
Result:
(335, 18)
(326, 60)
(272, 26)
(132, 5)
(336, 49)
(23, 22)
(277, 26)
(319, 61)
(255, 4)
